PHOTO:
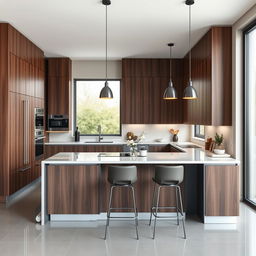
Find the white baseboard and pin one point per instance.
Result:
(220, 219)
(103, 216)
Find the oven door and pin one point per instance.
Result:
(39, 147)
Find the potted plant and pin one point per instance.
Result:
(219, 146)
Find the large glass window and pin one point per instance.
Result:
(91, 111)
(250, 113)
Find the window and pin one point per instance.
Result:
(90, 111)
(250, 114)
(199, 131)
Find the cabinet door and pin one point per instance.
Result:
(222, 190)
(77, 191)
(20, 138)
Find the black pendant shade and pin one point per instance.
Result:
(106, 92)
(170, 92)
(190, 92)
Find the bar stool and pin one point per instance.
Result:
(122, 176)
(167, 176)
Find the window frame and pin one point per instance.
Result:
(197, 133)
(251, 26)
(75, 104)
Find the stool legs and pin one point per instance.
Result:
(157, 205)
(108, 213)
(135, 212)
(152, 204)
(181, 211)
(179, 207)
(110, 208)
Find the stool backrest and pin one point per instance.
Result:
(169, 173)
(122, 174)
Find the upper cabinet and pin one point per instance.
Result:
(58, 86)
(143, 84)
(212, 79)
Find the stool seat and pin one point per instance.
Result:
(165, 182)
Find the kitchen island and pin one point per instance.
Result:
(74, 185)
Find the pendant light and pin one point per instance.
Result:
(170, 92)
(106, 92)
(190, 92)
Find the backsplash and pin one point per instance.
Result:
(152, 132)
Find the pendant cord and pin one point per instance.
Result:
(189, 39)
(170, 63)
(106, 42)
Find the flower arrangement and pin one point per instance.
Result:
(133, 140)
(175, 134)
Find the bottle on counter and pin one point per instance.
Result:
(77, 135)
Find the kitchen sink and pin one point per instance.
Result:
(99, 142)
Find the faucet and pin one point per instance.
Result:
(99, 130)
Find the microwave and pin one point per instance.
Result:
(58, 122)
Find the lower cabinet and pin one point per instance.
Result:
(222, 190)
(77, 191)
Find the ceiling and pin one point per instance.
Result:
(137, 28)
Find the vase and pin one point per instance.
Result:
(133, 151)
(175, 138)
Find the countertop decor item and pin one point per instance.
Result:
(106, 92)
(219, 146)
(170, 92)
(133, 142)
(190, 92)
(77, 135)
(175, 134)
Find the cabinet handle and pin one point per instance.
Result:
(26, 132)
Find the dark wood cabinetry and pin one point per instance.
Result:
(78, 190)
(212, 78)
(222, 191)
(22, 88)
(143, 84)
(58, 86)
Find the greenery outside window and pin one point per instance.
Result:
(199, 131)
(90, 111)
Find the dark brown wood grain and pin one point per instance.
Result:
(58, 86)
(21, 78)
(212, 79)
(4, 163)
(222, 191)
(143, 84)
(77, 189)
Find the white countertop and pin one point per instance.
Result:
(84, 143)
(191, 156)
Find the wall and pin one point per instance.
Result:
(237, 70)
(96, 70)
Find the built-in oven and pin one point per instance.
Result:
(39, 132)
(58, 122)
(39, 147)
(39, 118)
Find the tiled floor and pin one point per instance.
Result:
(19, 235)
